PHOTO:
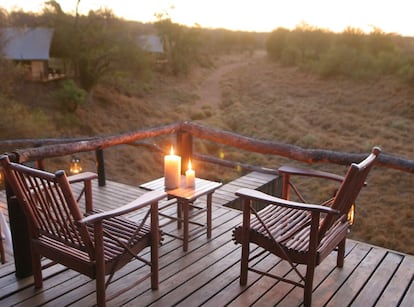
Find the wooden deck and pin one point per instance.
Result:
(207, 274)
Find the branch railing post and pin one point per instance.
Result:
(100, 167)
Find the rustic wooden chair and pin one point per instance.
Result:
(95, 244)
(297, 232)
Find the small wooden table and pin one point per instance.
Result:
(185, 200)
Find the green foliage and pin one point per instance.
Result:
(378, 41)
(352, 38)
(95, 47)
(345, 61)
(389, 62)
(291, 56)
(219, 41)
(69, 95)
(308, 141)
(352, 53)
(277, 42)
(182, 45)
(406, 71)
(309, 40)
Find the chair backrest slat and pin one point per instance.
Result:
(49, 205)
(349, 190)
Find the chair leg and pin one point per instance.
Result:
(37, 269)
(100, 265)
(341, 254)
(244, 263)
(100, 288)
(155, 243)
(154, 263)
(310, 270)
(2, 253)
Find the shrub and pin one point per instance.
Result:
(406, 71)
(388, 62)
(352, 53)
(336, 61)
(276, 43)
(346, 61)
(291, 56)
(69, 95)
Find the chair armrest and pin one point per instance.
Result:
(268, 199)
(309, 172)
(86, 178)
(82, 177)
(141, 202)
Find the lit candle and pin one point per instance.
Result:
(172, 170)
(189, 176)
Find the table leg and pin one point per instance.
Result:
(209, 201)
(179, 213)
(185, 205)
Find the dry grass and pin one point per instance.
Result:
(267, 101)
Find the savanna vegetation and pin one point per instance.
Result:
(308, 87)
(352, 53)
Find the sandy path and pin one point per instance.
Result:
(209, 92)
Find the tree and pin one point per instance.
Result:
(181, 44)
(277, 42)
(97, 46)
(3, 17)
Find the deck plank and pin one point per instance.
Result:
(333, 282)
(378, 280)
(398, 285)
(408, 300)
(208, 274)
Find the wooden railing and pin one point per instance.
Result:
(40, 149)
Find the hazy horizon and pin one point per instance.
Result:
(259, 16)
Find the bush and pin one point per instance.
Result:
(352, 53)
(389, 62)
(276, 43)
(406, 73)
(346, 61)
(69, 95)
(336, 61)
(291, 56)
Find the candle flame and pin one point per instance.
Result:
(189, 164)
(172, 151)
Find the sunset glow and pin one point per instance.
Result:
(259, 15)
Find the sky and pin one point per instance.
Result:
(393, 16)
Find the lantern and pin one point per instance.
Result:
(75, 166)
